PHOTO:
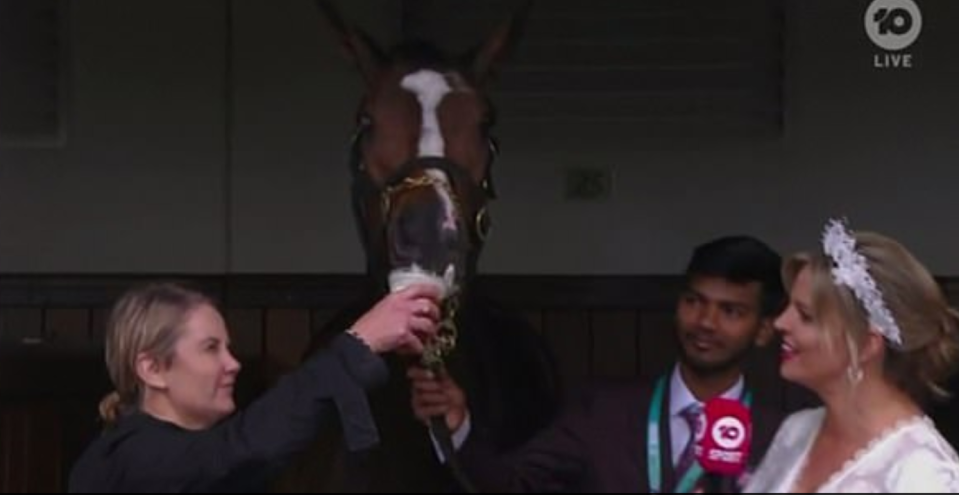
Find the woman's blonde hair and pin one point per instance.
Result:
(146, 320)
(929, 327)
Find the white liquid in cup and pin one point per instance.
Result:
(402, 278)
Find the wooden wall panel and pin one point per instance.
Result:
(535, 319)
(21, 326)
(568, 337)
(44, 448)
(98, 324)
(614, 344)
(11, 450)
(68, 329)
(246, 332)
(597, 327)
(320, 318)
(657, 348)
(30, 448)
(763, 372)
(287, 335)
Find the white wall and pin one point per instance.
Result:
(296, 97)
(878, 146)
(140, 185)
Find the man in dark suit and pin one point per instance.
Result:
(637, 437)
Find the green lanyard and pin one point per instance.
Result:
(654, 459)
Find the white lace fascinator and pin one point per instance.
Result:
(851, 269)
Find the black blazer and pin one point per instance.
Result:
(598, 444)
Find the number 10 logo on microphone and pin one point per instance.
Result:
(729, 433)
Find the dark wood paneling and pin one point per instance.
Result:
(656, 343)
(614, 344)
(21, 326)
(98, 323)
(292, 291)
(319, 318)
(49, 387)
(287, 336)
(535, 320)
(246, 331)
(68, 328)
(763, 372)
(43, 443)
(585, 292)
(13, 428)
(30, 448)
(38, 373)
(568, 337)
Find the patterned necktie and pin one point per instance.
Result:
(691, 414)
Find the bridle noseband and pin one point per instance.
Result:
(408, 183)
(365, 190)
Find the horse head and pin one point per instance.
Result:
(423, 150)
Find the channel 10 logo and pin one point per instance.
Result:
(893, 25)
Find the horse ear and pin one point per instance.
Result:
(358, 46)
(500, 44)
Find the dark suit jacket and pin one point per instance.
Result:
(598, 444)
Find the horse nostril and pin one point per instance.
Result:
(405, 238)
(450, 238)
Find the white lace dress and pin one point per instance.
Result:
(911, 457)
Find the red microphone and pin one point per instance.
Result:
(723, 437)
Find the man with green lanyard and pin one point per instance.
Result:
(637, 437)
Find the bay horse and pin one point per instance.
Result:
(421, 163)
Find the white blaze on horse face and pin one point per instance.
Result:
(430, 87)
(449, 218)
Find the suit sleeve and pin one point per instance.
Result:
(553, 460)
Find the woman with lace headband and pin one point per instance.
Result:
(869, 330)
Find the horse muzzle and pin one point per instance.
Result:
(427, 223)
